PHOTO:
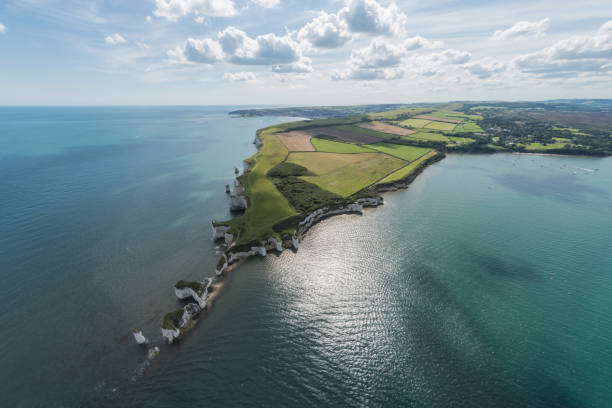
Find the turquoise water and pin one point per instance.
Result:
(487, 283)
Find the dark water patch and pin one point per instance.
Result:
(495, 265)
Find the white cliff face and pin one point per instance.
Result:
(321, 213)
(274, 243)
(185, 293)
(228, 238)
(245, 166)
(139, 338)
(238, 189)
(236, 256)
(257, 142)
(295, 242)
(170, 334)
(219, 232)
(238, 203)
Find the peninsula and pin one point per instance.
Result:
(339, 163)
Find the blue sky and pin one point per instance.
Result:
(117, 52)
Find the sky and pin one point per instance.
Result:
(292, 52)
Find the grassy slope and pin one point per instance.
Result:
(408, 153)
(325, 145)
(539, 146)
(468, 127)
(354, 177)
(267, 204)
(422, 134)
(407, 170)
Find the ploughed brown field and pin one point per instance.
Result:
(345, 135)
(296, 141)
(437, 119)
(386, 128)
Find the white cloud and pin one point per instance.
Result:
(2, 28)
(328, 31)
(243, 76)
(175, 9)
(578, 55)
(486, 67)
(267, 3)
(369, 17)
(236, 47)
(325, 31)
(114, 39)
(148, 18)
(437, 63)
(381, 59)
(521, 29)
(302, 66)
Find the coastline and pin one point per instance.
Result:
(231, 260)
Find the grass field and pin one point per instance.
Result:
(349, 179)
(424, 135)
(267, 204)
(539, 146)
(440, 126)
(461, 139)
(393, 114)
(326, 145)
(496, 147)
(407, 170)
(363, 131)
(386, 128)
(468, 127)
(408, 153)
(455, 115)
(562, 140)
(415, 123)
(322, 163)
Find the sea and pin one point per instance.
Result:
(487, 283)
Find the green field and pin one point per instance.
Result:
(468, 127)
(562, 140)
(461, 140)
(496, 147)
(321, 162)
(539, 146)
(424, 135)
(393, 114)
(440, 126)
(326, 145)
(408, 153)
(349, 179)
(415, 123)
(454, 115)
(407, 170)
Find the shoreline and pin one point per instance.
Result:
(230, 260)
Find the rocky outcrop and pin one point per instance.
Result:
(138, 337)
(228, 238)
(239, 256)
(246, 166)
(198, 291)
(238, 202)
(175, 322)
(273, 243)
(219, 232)
(222, 265)
(257, 142)
(370, 201)
(238, 189)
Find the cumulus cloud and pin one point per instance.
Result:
(380, 59)
(486, 67)
(175, 9)
(267, 3)
(114, 39)
(521, 29)
(234, 46)
(325, 31)
(243, 76)
(437, 63)
(2, 28)
(578, 55)
(369, 17)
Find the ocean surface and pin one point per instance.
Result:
(488, 283)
